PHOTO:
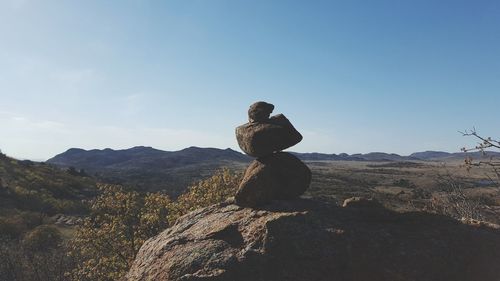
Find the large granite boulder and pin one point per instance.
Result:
(277, 176)
(262, 138)
(304, 240)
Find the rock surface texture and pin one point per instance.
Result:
(260, 111)
(259, 139)
(304, 240)
(274, 174)
(278, 176)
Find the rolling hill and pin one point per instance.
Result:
(27, 186)
(141, 157)
(446, 156)
(150, 169)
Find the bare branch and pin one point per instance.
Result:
(486, 142)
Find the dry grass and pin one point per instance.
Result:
(446, 188)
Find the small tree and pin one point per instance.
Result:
(222, 185)
(454, 201)
(108, 240)
(482, 146)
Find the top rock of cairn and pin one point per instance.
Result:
(260, 111)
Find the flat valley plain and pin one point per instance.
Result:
(447, 188)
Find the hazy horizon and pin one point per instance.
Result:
(222, 148)
(353, 77)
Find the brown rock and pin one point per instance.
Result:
(277, 176)
(260, 111)
(259, 139)
(304, 240)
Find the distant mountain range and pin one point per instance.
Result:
(382, 156)
(150, 169)
(372, 156)
(96, 160)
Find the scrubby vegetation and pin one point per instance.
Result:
(114, 221)
(37, 187)
(31, 247)
(120, 221)
(484, 144)
(40, 254)
(215, 189)
(107, 239)
(447, 188)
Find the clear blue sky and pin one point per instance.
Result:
(353, 76)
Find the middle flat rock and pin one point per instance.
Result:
(259, 139)
(277, 176)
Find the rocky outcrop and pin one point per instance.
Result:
(274, 174)
(303, 240)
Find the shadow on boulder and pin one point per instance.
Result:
(311, 240)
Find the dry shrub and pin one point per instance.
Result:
(454, 201)
(108, 240)
(106, 243)
(216, 189)
(39, 255)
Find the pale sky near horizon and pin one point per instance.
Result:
(352, 76)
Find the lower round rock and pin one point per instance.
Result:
(277, 176)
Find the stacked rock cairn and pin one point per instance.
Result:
(273, 175)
